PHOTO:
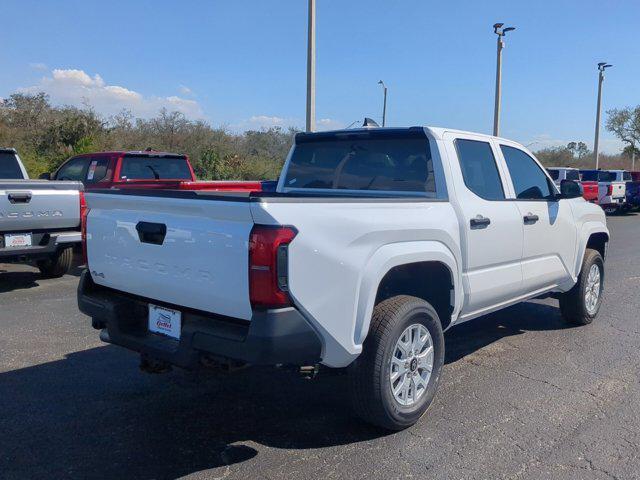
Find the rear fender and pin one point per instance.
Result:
(393, 255)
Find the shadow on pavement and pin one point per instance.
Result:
(18, 280)
(94, 415)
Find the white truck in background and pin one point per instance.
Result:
(39, 219)
(375, 242)
(612, 187)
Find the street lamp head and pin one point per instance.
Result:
(498, 30)
(603, 65)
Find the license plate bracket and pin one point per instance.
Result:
(17, 240)
(165, 321)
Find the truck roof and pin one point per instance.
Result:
(152, 153)
(7, 150)
(437, 132)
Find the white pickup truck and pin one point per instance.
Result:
(374, 243)
(39, 219)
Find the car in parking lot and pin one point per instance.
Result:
(612, 187)
(633, 191)
(39, 220)
(589, 189)
(375, 241)
(142, 169)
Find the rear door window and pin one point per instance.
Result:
(97, 169)
(626, 176)
(479, 169)
(555, 174)
(154, 168)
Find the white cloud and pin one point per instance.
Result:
(184, 90)
(76, 87)
(329, 124)
(38, 66)
(266, 121)
(258, 122)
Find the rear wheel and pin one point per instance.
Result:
(58, 264)
(395, 379)
(581, 304)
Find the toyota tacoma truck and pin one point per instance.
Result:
(142, 169)
(374, 243)
(39, 219)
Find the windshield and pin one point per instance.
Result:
(155, 168)
(372, 164)
(9, 168)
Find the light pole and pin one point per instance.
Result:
(311, 68)
(384, 104)
(601, 68)
(500, 32)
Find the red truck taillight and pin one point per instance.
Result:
(84, 211)
(268, 265)
(609, 190)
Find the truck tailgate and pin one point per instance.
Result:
(39, 205)
(181, 248)
(619, 189)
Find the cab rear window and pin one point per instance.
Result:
(573, 175)
(9, 168)
(154, 168)
(363, 164)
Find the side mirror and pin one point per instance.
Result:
(45, 176)
(570, 189)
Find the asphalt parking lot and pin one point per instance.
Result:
(523, 396)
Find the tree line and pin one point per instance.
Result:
(46, 135)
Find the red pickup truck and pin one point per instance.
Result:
(141, 169)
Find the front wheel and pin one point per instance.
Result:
(581, 304)
(395, 379)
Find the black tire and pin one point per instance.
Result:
(573, 303)
(58, 264)
(371, 393)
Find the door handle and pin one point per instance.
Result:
(480, 222)
(530, 219)
(153, 233)
(19, 197)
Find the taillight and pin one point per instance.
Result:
(609, 190)
(84, 211)
(268, 265)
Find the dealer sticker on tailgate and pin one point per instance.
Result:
(164, 321)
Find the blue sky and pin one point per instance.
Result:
(242, 63)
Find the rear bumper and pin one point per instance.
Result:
(44, 245)
(272, 337)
